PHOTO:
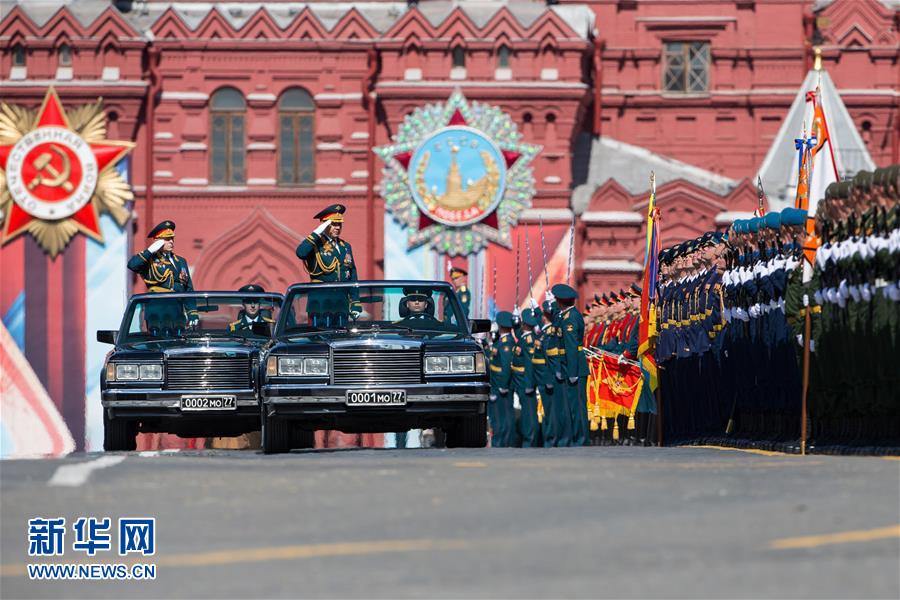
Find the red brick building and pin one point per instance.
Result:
(250, 116)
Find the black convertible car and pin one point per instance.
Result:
(187, 364)
(373, 356)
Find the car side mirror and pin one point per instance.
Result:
(106, 336)
(481, 325)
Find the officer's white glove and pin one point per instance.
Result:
(549, 387)
(156, 246)
(559, 376)
(503, 391)
(322, 227)
(492, 397)
(549, 297)
(573, 380)
(533, 303)
(529, 390)
(193, 321)
(516, 312)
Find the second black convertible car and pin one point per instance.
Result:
(186, 364)
(374, 356)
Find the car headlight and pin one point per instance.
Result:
(134, 372)
(462, 363)
(300, 366)
(128, 372)
(151, 372)
(439, 364)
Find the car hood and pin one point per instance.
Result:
(195, 345)
(379, 341)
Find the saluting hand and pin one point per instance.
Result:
(155, 246)
(324, 225)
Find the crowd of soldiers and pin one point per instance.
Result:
(733, 310)
(853, 301)
(537, 357)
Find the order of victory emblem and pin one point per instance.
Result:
(57, 173)
(458, 176)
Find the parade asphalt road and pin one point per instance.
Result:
(588, 522)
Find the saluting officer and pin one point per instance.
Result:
(325, 255)
(573, 364)
(160, 268)
(329, 259)
(250, 313)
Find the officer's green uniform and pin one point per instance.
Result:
(501, 385)
(562, 423)
(545, 379)
(328, 260)
(162, 272)
(529, 428)
(574, 366)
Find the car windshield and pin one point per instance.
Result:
(423, 309)
(165, 317)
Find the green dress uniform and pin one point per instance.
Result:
(501, 385)
(562, 424)
(162, 272)
(529, 428)
(574, 366)
(328, 260)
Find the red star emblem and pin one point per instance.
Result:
(51, 174)
(509, 156)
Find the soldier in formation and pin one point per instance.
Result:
(852, 299)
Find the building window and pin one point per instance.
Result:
(459, 56)
(18, 55)
(227, 157)
(686, 67)
(65, 56)
(296, 137)
(503, 57)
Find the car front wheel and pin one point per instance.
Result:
(276, 434)
(118, 434)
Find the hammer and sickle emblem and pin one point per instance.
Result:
(42, 165)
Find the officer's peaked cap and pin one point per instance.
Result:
(531, 317)
(564, 292)
(252, 287)
(793, 216)
(773, 220)
(454, 271)
(334, 213)
(164, 230)
(504, 319)
(411, 292)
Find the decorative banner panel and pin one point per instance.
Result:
(57, 173)
(457, 176)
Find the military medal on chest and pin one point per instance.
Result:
(57, 173)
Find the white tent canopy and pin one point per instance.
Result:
(779, 168)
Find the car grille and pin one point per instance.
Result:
(377, 367)
(208, 372)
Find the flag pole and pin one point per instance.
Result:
(807, 327)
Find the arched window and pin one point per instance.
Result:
(503, 57)
(227, 156)
(459, 56)
(296, 138)
(65, 56)
(18, 55)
